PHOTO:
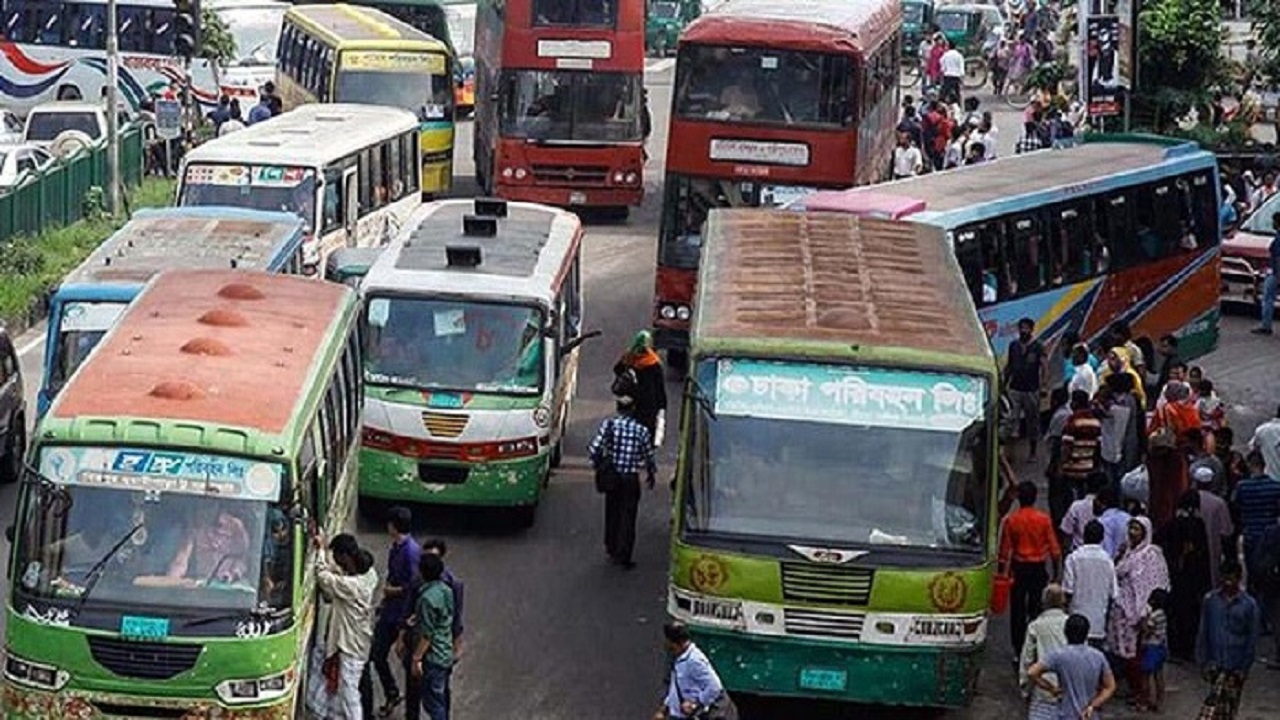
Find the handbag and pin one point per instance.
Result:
(606, 476)
(1163, 437)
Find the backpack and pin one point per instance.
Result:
(625, 383)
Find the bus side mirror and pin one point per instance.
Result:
(573, 344)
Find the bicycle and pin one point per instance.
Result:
(910, 72)
(976, 72)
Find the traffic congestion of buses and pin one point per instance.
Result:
(318, 321)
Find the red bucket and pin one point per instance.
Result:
(1000, 590)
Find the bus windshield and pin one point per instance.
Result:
(874, 464)
(559, 105)
(454, 345)
(913, 13)
(1261, 221)
(256, 187)
(175, 544)
(760, 85)
(82, 326)
(689, 199)
(430, 97)
(255, 30)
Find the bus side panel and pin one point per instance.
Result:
(436, 140)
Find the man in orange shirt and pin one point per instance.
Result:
(1027, 540)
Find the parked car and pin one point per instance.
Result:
(10, 127)
(13, 411)
(48, 121)
(17, 159)
(1245, 256)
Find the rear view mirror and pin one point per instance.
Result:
(9, 533)
(573, 344)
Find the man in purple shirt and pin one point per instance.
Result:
(397, 601)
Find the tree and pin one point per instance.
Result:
(1180, 45)
(217, 45)
(1265, 16)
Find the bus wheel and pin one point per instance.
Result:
(524, 515)
(678, 361)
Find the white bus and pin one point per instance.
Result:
(473, 322)
(351, 172)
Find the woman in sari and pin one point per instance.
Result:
(1168, 442)
(1185, 542)
(1140, 569)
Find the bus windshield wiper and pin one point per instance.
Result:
(97, 571)
(700, 396)
(269, 614)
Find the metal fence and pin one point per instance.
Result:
(56, 196)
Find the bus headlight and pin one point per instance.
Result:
(36, 675)
(631, 178)
(521, 173)
(508, 172)
(619, 178)
(272, 687)
(668, 312)
(683, 312)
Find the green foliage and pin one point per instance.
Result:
(1265, 16)
(30, 266)
(216, 42)
(1180, 44)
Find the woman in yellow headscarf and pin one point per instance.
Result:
(1117, 361)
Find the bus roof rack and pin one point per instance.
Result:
(462, 255)
(479, 225)
(491, 207)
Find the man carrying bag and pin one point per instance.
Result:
(621, 448)
(694, 691)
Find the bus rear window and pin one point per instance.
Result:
(767, 86)
(598, 13)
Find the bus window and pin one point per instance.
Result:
(378, 178)
(1074, 250)
(409, 151)
(770, 86)
(364, 182)
(1158, 225)
(1202, 202)
(332, 217)
(969, 254)
(1114, 225)
(599, 13)
(326, 70)
(1026, 255)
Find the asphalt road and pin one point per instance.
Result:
(553, 631)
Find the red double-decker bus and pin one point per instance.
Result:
(559, 101)
(773, 99)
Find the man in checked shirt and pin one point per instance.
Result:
(630, 448)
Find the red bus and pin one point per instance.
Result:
(559, 101)
(772, 99)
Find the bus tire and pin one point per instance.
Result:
(15, 447)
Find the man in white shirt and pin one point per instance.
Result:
(908, 161)
(1081, 513)
(1266, 440)
(952, 62)
(347, 581)
(1089, 579)
(1083, 376)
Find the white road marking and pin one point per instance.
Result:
(658, 65)
(31, 345)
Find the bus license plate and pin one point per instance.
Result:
(577, 198)
(144, 628)
(812, 678)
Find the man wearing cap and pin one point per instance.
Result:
(626, 446)
(1216, 516)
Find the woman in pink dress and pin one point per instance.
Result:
(1140, 569)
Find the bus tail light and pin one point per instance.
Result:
(37, 675)
(421, 449)
(256, 690)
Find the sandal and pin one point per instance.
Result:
(389, 706)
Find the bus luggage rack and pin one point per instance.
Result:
(144, 660)
(818, 623)
(826, 584)
(577, 175)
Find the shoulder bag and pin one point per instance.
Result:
(722, 708)
(606, 476)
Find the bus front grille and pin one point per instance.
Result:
(576, 175)
(826, 584)
(144, 660)
(817, 623)
(444, 425)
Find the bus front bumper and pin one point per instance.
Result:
(862, 673)
(388, 476)
(570, 198)
(23, 703)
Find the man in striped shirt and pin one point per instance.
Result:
(1081, 442)
(1257, 503)
(627, 445)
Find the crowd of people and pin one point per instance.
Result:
(1161, 540)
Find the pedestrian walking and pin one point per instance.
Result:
(439, 548)
(1140, 569)
(951, 65)
(1268, 310)
(1044, 635)
(1226, 643)
(1089, 580)
(432, 656)
(1081, 443)
(1081, 513)
(1266, 440)
(620, 450)
(908, 161)
(1027, 543)
(397, 601)
(1218, 526)
(1185, 542)
(1257, 505)
(638, 374)
(1023, 369)
(1114, 519)
(1084, 680)
(694, 689)
(347, 581)
(1083, 376)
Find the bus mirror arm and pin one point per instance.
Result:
(573, 344)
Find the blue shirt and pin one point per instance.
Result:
(631, 445)
(1080, 669)
(1258, 500)
(1229, 629)
(1115, 526)
(259, 112)
(692, 680)
(402, 571)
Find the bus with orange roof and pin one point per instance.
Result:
(160, 556)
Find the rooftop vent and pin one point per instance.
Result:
(462, 255)
(492, 207)
(223, 317)
(479, 225)
(206, 346)
(240, 291)
(176, 390)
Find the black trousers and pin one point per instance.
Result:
(412, 686)
(384, 636)
(620, 507)
(1029, 579)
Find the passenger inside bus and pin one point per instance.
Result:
(217, 549)
(739, 101)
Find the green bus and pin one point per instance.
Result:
(473, 318)
(835, 527)
(161, 563)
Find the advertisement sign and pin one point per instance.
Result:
(1103, 66)
(752, 151)
(159, 471)
(168, 119)
(245, 175)
(848, 395)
